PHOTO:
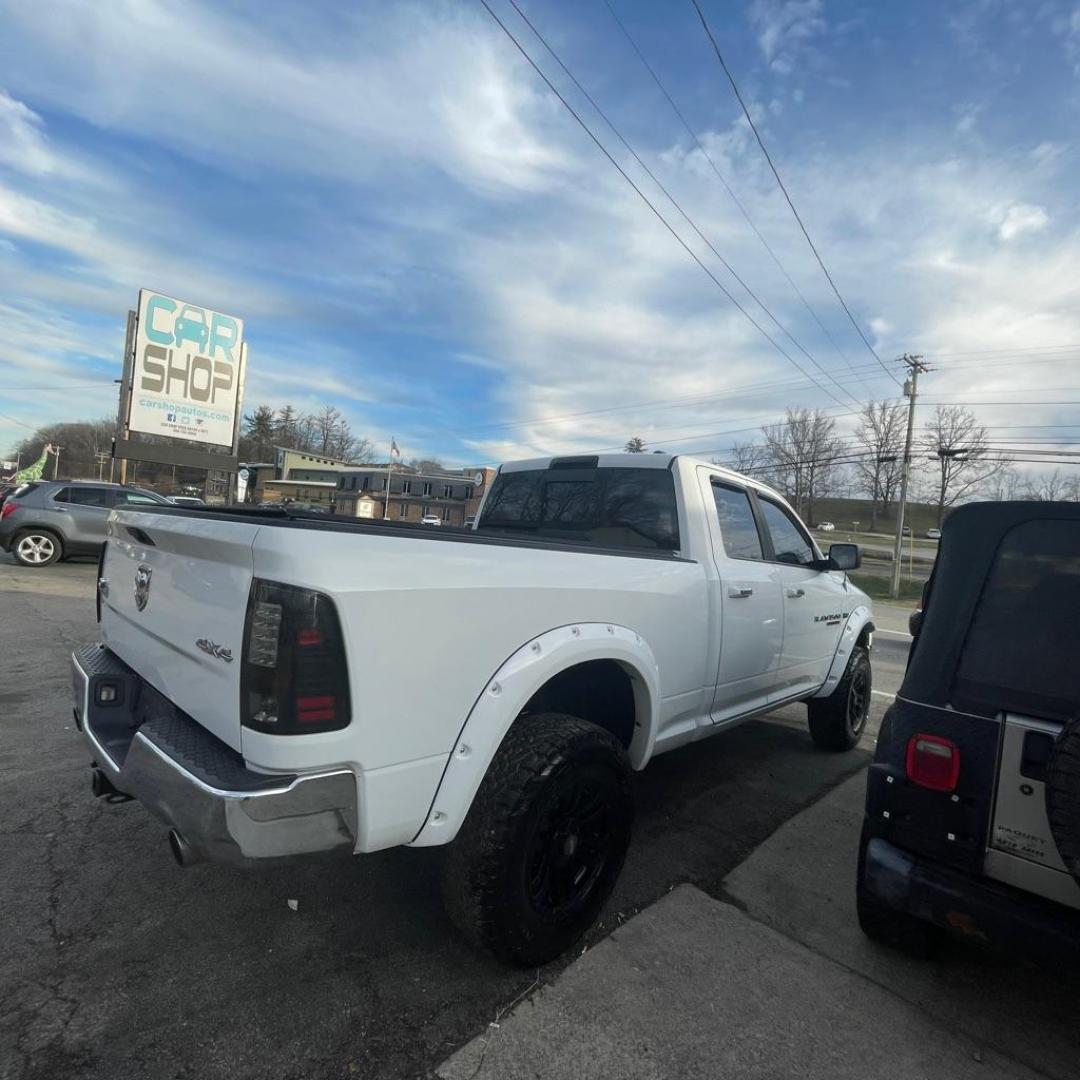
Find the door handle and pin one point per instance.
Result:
(739, 592)
(794, 594)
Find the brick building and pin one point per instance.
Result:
(451, 495)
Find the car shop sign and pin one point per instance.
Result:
(186, 373)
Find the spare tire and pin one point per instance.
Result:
(1063, 795)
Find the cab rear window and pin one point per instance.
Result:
(614, 508)
(1020, 650)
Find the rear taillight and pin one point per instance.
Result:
(933, 762)
(9, 507)
(294, 679)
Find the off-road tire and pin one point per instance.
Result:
(895, 929)
(837, 721)
(490, 870)
(48, 547)
(1063, 795)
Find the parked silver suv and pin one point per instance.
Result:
(49, 520)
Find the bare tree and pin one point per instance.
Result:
(957, 440)
(427, 465)
(1049, 487)
(635, 445)
(748, 458)
(803, 455)
(880, 433)
(1004, 486)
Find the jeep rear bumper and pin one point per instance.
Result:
(970, 906)
(217, 808)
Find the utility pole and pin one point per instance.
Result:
(915, 366)
(56, 461)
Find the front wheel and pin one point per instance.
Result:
(544, 840)
(837, 721)
(36, 548)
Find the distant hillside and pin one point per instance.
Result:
(842, 512)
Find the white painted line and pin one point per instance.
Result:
(881, 693)
(893, 633)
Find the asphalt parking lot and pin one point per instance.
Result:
(116, 963)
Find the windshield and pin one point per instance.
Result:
(615, 508)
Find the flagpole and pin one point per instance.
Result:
(389, 470)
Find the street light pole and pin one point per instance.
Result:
(914, 365)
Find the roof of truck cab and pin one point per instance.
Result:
(628, 461)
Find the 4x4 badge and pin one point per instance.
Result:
(212, 648)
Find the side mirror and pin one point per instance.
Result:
(844, 557)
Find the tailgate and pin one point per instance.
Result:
(173, 608)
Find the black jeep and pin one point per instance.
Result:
(973, 800)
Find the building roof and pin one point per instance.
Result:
(303, 483)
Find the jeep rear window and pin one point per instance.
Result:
(615, 508)
(1021, 648)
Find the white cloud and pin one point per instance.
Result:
(785, 28)
(1021, 218)
(22, 145)
(362, 91)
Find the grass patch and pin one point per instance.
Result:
(879, 588)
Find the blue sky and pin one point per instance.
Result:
(416, 231)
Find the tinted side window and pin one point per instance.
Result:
(790, 543)
(608, 507)
(88, 496)
(135, 498)
(738, 529)
(61, 495)
(1021, 647)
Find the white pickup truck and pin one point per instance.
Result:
(272, 684)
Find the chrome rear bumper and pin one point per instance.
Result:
(217, 808)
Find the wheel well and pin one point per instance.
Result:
(864, 634)
(600, 691)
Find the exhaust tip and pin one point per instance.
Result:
(181, 850)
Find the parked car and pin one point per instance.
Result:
(600, 614)
(906, 530)
(972, 821)
(431, 519)
(933, 534)
(48, 520)
(827, 526)
(187, 500)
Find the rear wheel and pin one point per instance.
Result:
(837, 721)
(36, 548)
(543, 842)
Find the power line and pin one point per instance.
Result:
(671, 198)
(645, 199)
(727, 187)
(787, 196)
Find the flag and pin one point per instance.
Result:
(394, 451)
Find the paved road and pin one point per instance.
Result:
(116, 963)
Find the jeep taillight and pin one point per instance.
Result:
(294, 679)
(933, 762)
(9, 507)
